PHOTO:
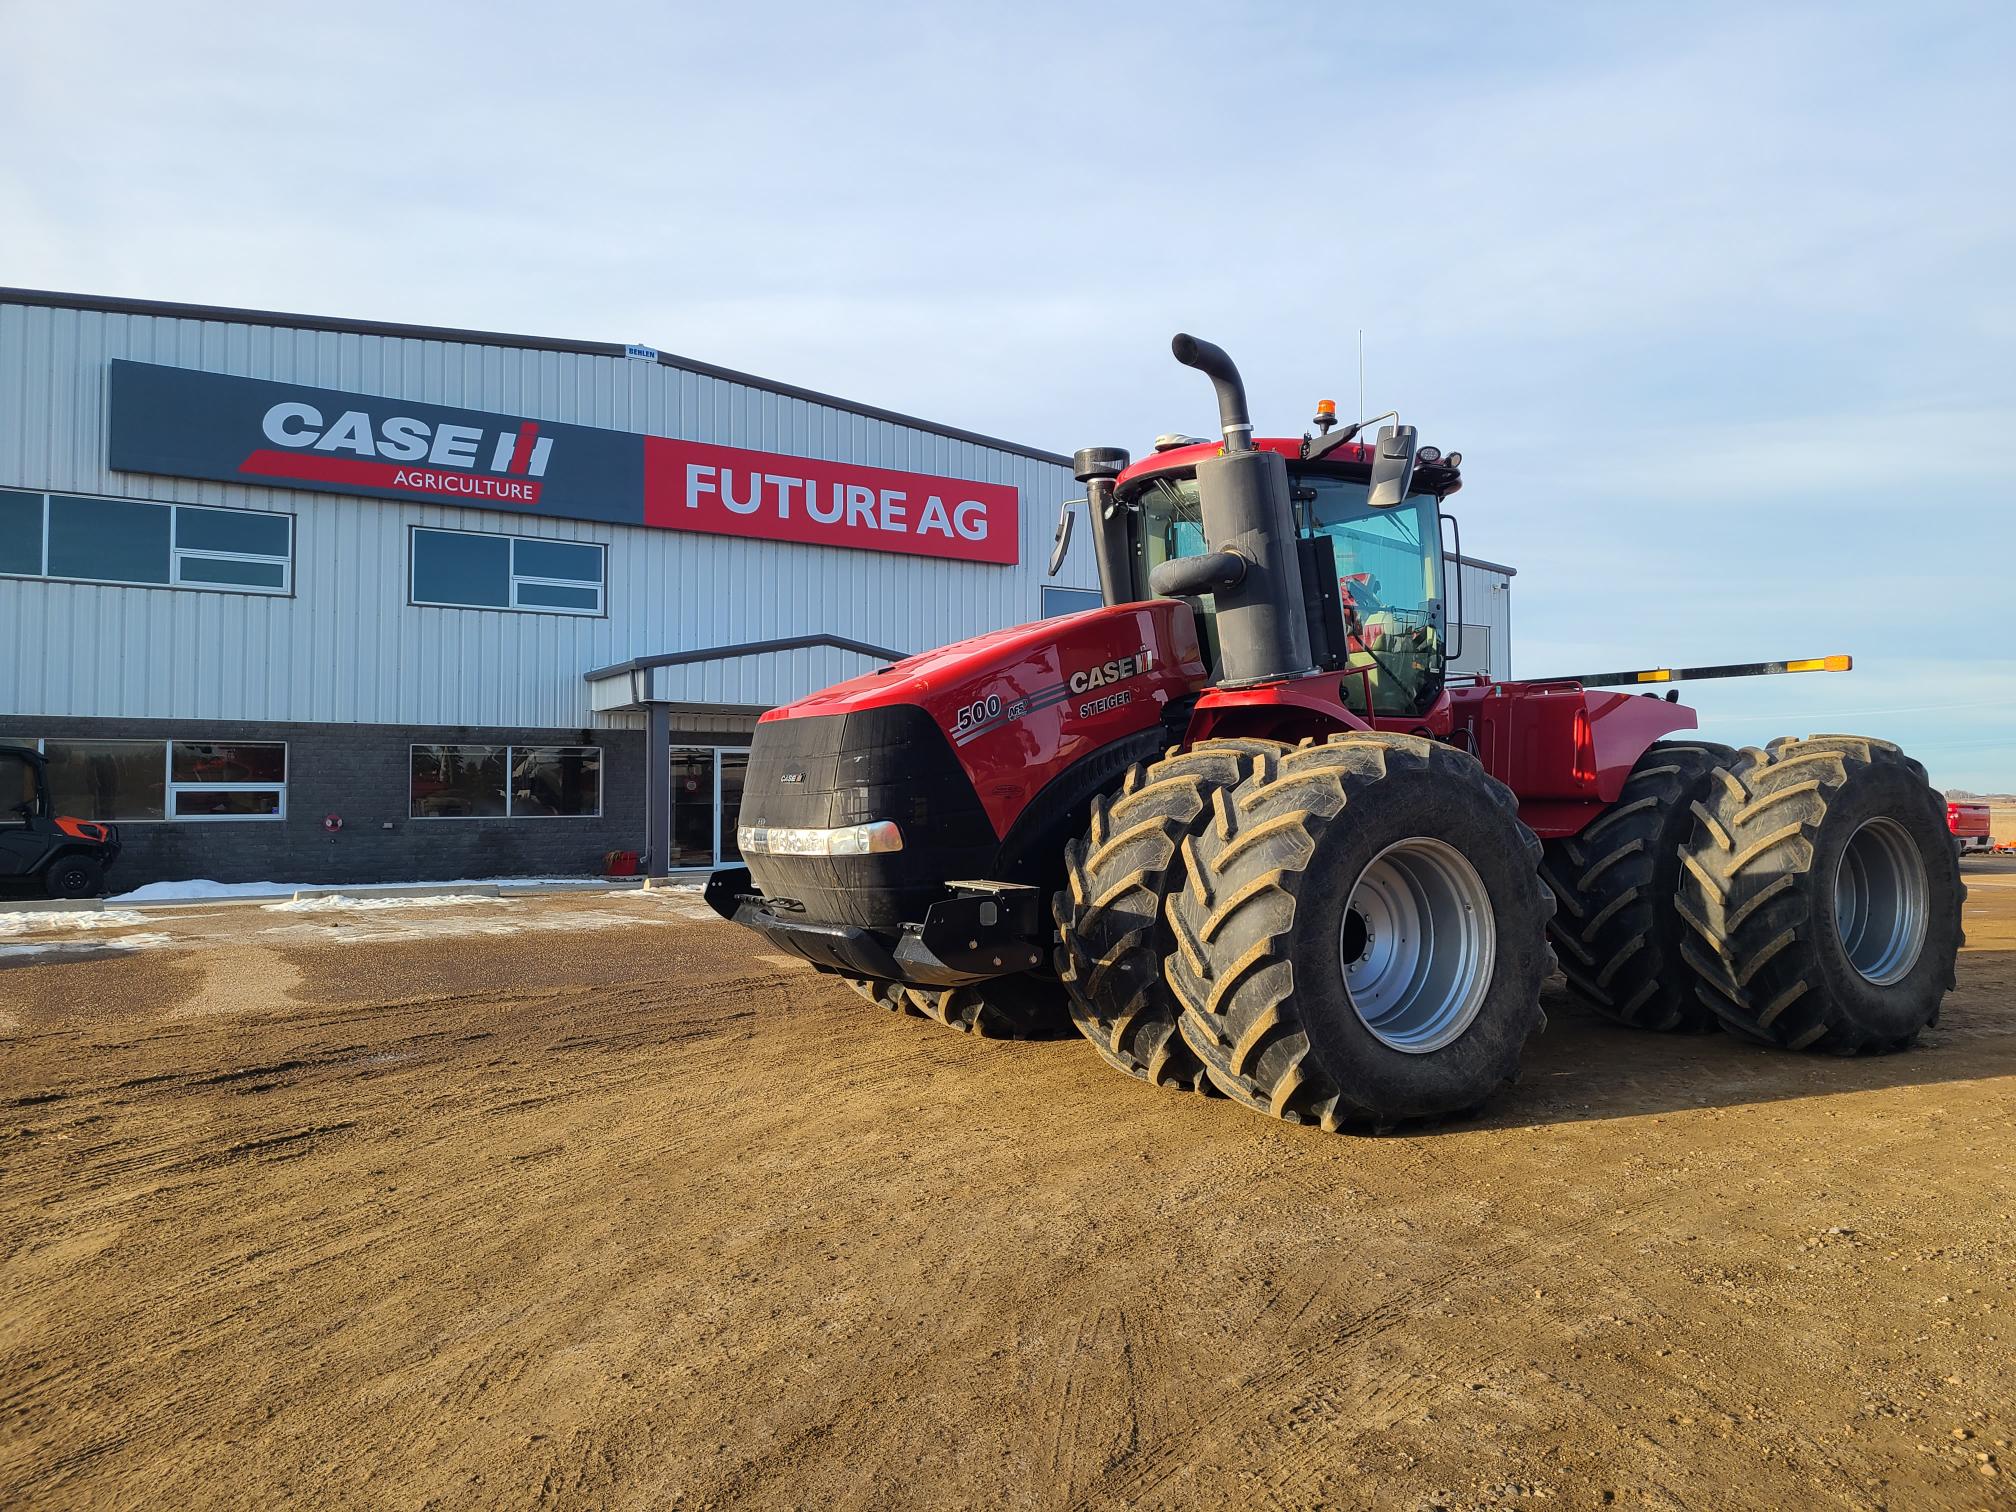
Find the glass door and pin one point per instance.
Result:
(706, 798)
(692, 807)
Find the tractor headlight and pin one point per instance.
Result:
(847, 840)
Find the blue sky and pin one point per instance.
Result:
(1719, 302)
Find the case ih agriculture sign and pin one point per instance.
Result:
(247, 430)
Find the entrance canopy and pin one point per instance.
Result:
(728, 685)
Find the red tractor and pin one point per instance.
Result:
(1244, 824)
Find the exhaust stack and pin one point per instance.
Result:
(1252, 569)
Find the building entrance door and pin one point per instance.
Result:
(706, 797)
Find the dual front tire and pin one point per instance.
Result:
(1226, 927)
(1360, 936)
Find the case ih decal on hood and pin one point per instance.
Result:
(975, 719)
(247, 430)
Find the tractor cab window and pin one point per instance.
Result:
(1172, 527)
(1389, 582)
(1390, 587)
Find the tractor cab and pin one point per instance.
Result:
(40, 851)
(1374, 578)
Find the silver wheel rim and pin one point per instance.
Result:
(1881, 902)
(1417, 945)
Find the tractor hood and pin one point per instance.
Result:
(1018, 707)
(1028, 657)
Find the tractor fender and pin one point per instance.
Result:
(1033, 849)
(1287, 711)
(1566, 750)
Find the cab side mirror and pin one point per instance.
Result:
(1062, 542)
(1392, 466)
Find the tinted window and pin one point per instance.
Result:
(548, 596)
(108, 779)
(1068, 600)
(555, 780)
(457, 782)
(113, 540)
(558, 559)
(202, 803)
(237, 761)
(17, 785)
(450, 568)
(231, 530)
(195, 569)
(20, 532)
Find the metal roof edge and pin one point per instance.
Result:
(1470, 561)
(175, 310)
(743, 648)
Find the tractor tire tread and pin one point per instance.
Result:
(1239, 1012)
(1616, 931)
(1112, 935)
(1751, 906)
(1006, 1008)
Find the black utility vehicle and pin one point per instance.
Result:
(41, 852)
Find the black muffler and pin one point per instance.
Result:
(1252, 570)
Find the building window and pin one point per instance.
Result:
(239, 779)
(467, 570)
(233, 548)
(458, 782)
(505, 782)
(1056, 601)
(141, 781)
(122, 781)
(20, 533)
(135, 543)
(556, 782)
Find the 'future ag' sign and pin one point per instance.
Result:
(248, 430)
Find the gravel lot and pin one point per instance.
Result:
(584, 1201)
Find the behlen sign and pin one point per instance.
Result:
(248, 430)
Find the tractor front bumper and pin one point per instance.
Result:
(976, 931)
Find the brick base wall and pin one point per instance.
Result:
(362, 773)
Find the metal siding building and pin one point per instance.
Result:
(352, 674)
(1481, 602)
(349, 646)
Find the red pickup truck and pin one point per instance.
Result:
(1969, 824)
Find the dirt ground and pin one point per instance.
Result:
(584, 1201)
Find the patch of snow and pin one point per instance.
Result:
(200, 889)
(386, 927)
(61, 948)
(35, 922)
(329, 902)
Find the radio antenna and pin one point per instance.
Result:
(1361, 370)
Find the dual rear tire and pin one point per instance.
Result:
(1616, 931)
(1012, 1007)
(1804, 895)
(1822, 896)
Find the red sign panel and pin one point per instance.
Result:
(723, 490)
